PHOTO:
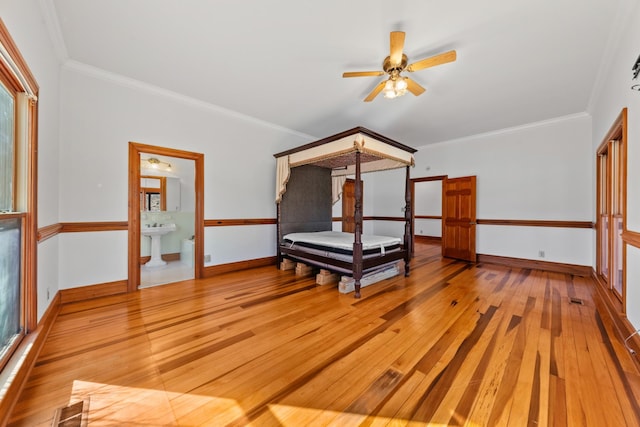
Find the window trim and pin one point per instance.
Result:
(18, 77)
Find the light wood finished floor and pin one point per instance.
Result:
(454, 344)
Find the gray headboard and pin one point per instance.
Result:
(306, 205)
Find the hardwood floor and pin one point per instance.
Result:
(454, 344)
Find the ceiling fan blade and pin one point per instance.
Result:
(414, 87)
(362, 73)
(397, 44)
(432, 61)
(375, 91)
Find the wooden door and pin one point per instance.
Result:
(459, 218)
(348, 206)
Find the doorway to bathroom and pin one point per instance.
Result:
(166, 225)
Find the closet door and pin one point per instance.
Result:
(459, 218)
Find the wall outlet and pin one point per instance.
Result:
(541, 253)
(207, 258)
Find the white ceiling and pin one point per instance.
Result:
(281, 61)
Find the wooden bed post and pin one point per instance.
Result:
(357, 244)
(408, 234)
(278, 236)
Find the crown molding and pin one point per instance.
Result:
(515, 128)
(621, 23)
(120, 80)
(52, 23)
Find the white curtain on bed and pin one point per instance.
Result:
(337, 183)
(282, 176)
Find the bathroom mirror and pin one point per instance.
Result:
(159, 193)
(152, 193)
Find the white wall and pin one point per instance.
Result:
(23, 19)
(542, 171)
(101, 113)
(389, 201)
(612, 96)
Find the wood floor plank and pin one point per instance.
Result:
(493, 391)
(453, 344)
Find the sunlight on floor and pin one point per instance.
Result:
(117, 405)
(112, 405)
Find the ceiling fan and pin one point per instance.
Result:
(394, 64)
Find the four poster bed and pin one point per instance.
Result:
(309, 180)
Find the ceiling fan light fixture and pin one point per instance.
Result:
(401, 85)
(396, 63)
(389, 89)
(395, 87)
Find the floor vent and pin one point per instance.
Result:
(74, 415)
(576, 301)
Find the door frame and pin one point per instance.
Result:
(618, 130)
(135, 149)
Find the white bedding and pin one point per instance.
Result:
(337, 255)
(341, 240)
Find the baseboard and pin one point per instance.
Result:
(15, 374)
(120, 287)
(240, 265)
(427, 239)
(165, 257)
(623, 327)
(93, 291)
(556, 267)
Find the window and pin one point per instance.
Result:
(7, 120)
(18, 115)
(12, 324)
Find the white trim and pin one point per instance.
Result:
(620, 24)
(514, 128)
(120, 80)
(52, 23)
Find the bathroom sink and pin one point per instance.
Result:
(155, 232)
(158, 230)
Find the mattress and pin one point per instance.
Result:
(341, 254)
(340, 242)
(333, 250)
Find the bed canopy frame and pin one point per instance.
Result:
(309, 180)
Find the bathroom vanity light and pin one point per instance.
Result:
(154, 163)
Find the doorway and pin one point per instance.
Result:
(167, 219)
(155, 216)
(426, 209)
